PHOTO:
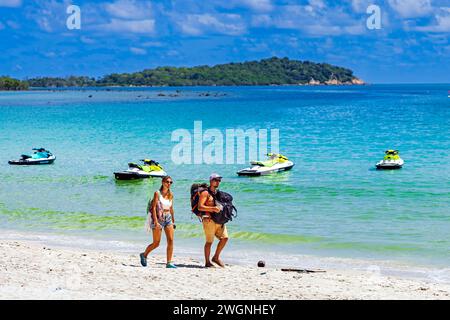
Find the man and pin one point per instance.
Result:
(207, 205)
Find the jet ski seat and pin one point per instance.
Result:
(134, 165)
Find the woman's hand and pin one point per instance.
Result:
(158, 226)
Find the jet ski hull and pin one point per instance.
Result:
(135, 175)
(129, 176)
(389, 165)
(31, 162)
(260, 171)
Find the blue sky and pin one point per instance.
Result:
(131, 35)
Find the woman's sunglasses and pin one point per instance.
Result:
(169, 182)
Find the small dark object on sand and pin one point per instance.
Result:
(261, 264)
(302, 270)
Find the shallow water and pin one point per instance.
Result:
(333, 203)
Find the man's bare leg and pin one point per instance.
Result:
(208, 263)
(220, 246)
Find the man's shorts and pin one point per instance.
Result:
(213, 229)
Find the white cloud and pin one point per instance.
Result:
(124, 17)
(318, 4)
(138, 51)
(154, 44)
(442, 24)
(50, 16)
(199, 24)
(128, 26)
(87, 40)
(258, 5)
(361, 6)
(44, 23)
(315, 19)
(252, 5)
(50, 54)
(262, 20)
(130, 9)
(172, 53)
(121, 16)
(10, 3)
(411, 8)
(12, 24)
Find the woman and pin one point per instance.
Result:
(161, 216)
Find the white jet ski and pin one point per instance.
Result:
(40, 156)
(274, 163)
(390, 161)
(149, 169)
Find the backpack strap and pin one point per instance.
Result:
(213, 195)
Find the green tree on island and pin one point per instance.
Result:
(10, 84)
(273, 71)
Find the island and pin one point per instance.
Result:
(272, 71)
(11, 84)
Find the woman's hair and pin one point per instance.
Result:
(170, 194)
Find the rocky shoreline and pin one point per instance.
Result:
(335, 82)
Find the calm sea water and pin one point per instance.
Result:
(333, 203)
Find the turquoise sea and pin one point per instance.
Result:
(332, 204)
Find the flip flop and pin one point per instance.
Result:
(143, 260)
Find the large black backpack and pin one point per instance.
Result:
(228, 212)
(224, 199)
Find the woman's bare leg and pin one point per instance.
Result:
(156, 241)
(169, 235)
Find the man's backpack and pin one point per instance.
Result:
(223, 199)
(228, 212)
(196, 189)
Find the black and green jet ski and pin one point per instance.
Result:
(148, 169)
(390, 161)
(274, 163)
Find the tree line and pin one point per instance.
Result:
(273, 71)
(10, 84)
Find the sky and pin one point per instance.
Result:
(409, 45)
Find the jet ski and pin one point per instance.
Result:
(391, 160)
(149, 169)
(40, 156)
(274, 163)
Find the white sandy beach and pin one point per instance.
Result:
(31, 270)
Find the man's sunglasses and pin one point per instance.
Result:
(218, 180)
